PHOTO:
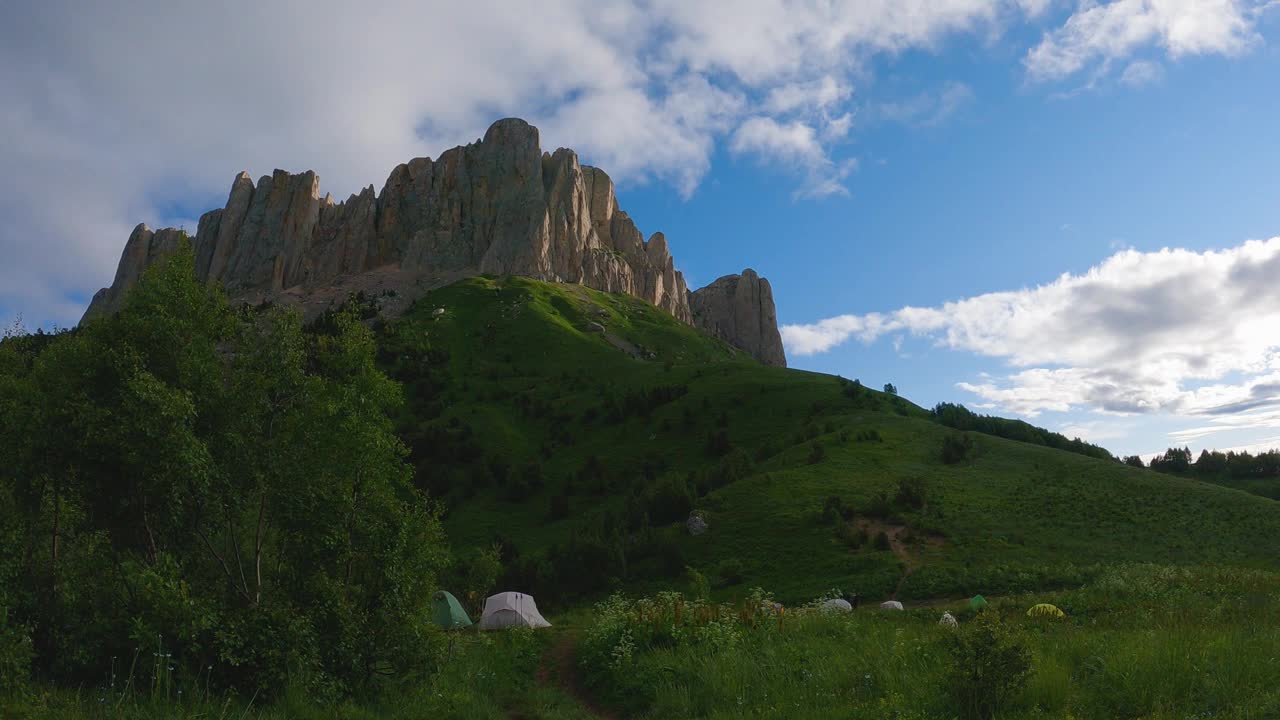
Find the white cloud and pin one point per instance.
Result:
(1141, 72)
(113, 114)
(797, 145)
(1105, 33)
(1172, 331)
(819, 94)
(928, 108)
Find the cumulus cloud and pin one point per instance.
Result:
(796, 144)
(1173, 331)
(1106, 33)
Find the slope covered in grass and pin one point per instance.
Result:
(578, 428)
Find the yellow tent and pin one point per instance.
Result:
(1045, 610)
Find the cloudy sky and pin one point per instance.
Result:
(1062, 210)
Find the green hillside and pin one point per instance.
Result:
(582, 453)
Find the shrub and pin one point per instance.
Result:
(15, 652)
(699, 586)
(956, 446)
(718, 443)
(817, 453)
(835, 509)
(730, 572)
(912, 493)
(882, 541)
(990, 664)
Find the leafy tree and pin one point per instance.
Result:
(890, 389)
(223, 479)
(1134, 461)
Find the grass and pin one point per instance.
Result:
(1141, 641)
(1012, 517)
(486, 675)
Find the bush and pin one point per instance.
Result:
(15, 653)
(990, 665)
(956, 447)
(835, 509)
(882, 541)
(912, 493)
(718, 443)
(817, 453)
(730, 572)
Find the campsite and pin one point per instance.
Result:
(640, 360)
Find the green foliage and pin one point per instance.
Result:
(913, 492)
(223, 480)
(961, 418)
(990, 665)
(890, 389)
(956, 447)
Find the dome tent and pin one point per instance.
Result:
(836, 605)
(1045, 610)
(977, 602)
(447, 612)
(511, 609)
(948, 620)
(890, 605)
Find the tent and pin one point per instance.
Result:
(447, 612)
(1045, 610)
(977, 602)
(890, 605)
(948, 620)
(511, 609)
(836, 605)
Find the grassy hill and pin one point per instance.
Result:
(582, 452)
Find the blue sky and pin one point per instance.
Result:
(1012, 170)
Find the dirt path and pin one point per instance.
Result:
(559, 669)
(910, 563)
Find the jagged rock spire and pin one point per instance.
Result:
(498, 206)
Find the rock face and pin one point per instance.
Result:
(739, 309)
(497, 206)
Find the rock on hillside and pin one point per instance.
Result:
(498, 206)
(739, 309)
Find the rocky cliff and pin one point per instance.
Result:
(498, 206)
(739, 309)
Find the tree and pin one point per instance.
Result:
(1134, 461)
(890, 389)
(224, 479)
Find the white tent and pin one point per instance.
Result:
(511, 609)
(836, 605)
(948, 620)
(890, 605)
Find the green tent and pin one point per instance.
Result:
(448, 612)
(977, 602)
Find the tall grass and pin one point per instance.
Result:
(1142, 642)
(489, 675)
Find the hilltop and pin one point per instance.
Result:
(579, 429)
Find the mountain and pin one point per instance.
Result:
(499, 206)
